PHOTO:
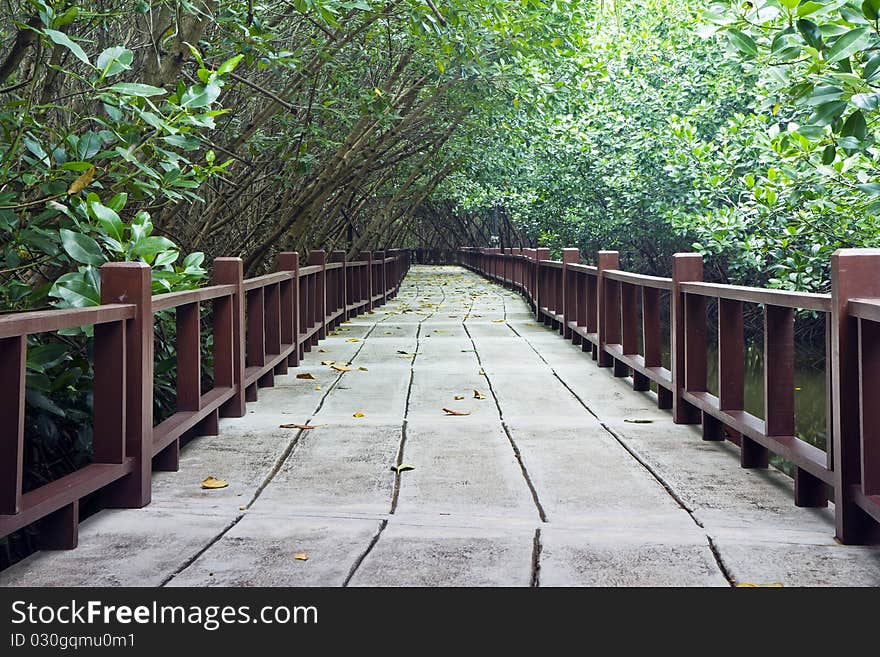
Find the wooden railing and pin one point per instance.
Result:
(261, 326)
(617, 316)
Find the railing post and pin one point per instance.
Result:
(607, 307)
(337, 287)
(854, 274)
(229, 335)
(130, 282)
(289, 261)
(686, 267)
(318, 257)
(13, 355)
(367, 280)
(540, 282)
(569, 291)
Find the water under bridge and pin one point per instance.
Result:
(448, 436)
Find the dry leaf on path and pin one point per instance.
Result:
(633, 420)
(451, 411)
(479, 395)
(317, 387)
(358, 414)
(749, 585)
(301, 556)
(209, 483)
(498, 321)
(305, 375)
(327, 362)
(363, 369)
(340, 368)
(403, 467)
(295, 426)
(353, 340)
(458, 397)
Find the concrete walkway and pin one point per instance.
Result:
(544, 482)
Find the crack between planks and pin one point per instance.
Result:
(516, 451)
(357, 564)
(395, 496)
(638, 458)
(537, 548)
(289, 450)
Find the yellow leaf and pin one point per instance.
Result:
(498, 321)
(326, 362)
(749, 585)
(305, 375)
(450, 411)
(295, 426)
(403, 467)
(242, 508)
(317, 387)
(82, 182)
(347, 321)
(358, 414)
(212, 482)
(353, 340)
(458, 397)
(479, 395)
(322, 351)
(363, 369)
(340, 368)
(301, 556)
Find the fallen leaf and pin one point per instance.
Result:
(749, 585)
(498, 321)
(440, 331)
(301, 556)
(327, 362)
(353, 340)
(82, 182)
(450, 411)
(317, 387)
(358, 414)
(388, 333)
(458, 397)
(402, 352)
(340, 368)
(363, 369)
(482, 373)
(322, 351)
(403, 467)
(347, 322)
(479, 395)
(633, 420)
(242, 508)
(305, 375)
(212, 482)
(295, 426)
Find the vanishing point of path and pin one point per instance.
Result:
(546, 481)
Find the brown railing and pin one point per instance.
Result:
(261, 326)
(617, 316)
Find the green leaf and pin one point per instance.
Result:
(200, 95)
(148, 247)
(82, 248)
(868, 102)
(109, 220)
(807, 8)
(40, 401)
(743, 42)
(136, 89)
(229, 65)
(810, 31)
(855, 126)
(827, 113)
(63, 40)
(88, 146)
(871, 9)
(75, 292)
(870, 188)
(848, 44)
(114, 60)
